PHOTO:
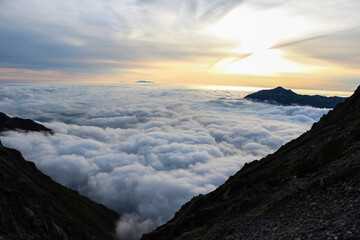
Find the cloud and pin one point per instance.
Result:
(145, 149)
(179, 41)
(327, 47)
(99, 36)
(130, 228)
(106, 35)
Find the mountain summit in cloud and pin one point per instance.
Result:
(308, 189)
(143, 81)
(284, 96)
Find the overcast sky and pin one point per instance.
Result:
(302, 44)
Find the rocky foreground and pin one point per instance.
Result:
(287, 97)
(34, 207)
(308, 189)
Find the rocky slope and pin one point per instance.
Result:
(308, 189)
(8, 123)
(33, 206)
(283, 96)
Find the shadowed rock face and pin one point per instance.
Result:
(33, 206)
(308, 189)
(283, 96)
(8, 123)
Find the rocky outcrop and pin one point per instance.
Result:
(308, 189)
(8, 123)
(283, 96)
(33, 206)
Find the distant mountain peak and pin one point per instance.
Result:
(279, 88)
(282, 89)
(282, 96)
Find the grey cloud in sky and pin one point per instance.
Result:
(218, 9)
(341, 47)
(99, 37)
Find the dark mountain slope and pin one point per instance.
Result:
(8, 123)
(287, 97)
(308, 189)
(33, 206)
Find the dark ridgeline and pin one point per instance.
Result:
(8, 123)
(33, 206)
(308, 189)
(283, 96)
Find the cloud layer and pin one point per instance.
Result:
(145, 150)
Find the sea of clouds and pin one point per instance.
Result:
(146, 149)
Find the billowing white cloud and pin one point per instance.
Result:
(146, 149)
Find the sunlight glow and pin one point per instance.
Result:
(257, 31)
(227, 88)
(266, 62)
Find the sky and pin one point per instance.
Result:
(309, 44)
(142, 149)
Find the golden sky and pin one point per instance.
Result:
(296, 44)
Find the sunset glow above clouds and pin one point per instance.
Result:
(299, 44)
